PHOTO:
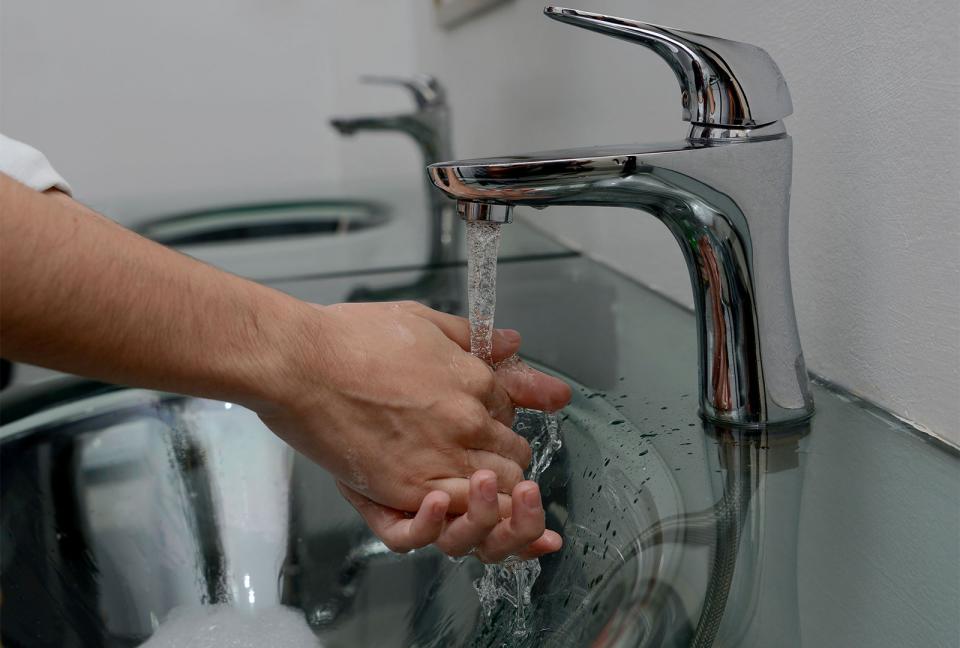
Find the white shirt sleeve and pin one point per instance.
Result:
(29, 166)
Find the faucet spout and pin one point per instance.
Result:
(726, 204)
(724, 194)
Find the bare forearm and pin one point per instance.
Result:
(81, 294)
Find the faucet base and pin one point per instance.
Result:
(789, 422)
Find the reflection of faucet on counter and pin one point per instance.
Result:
(751, 532)
(751, 595)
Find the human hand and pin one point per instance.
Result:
(387, 399)
(479, 532)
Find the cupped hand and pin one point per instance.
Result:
(387, 398)
(480, 532)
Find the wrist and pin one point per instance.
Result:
(286, 354)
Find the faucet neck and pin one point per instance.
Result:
(731, 221)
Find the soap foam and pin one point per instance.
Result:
(223, 626)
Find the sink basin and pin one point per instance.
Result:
(265, 222)
(131, 516)
(319, 237)
(287, 239)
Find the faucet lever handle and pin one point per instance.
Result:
(724, 82)
(426, 89)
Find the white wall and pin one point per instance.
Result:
(874, 230)
(153, 107)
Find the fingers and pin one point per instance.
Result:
(530, 388)
(549, 542)
(491, 540)
(500, 405)
(501, 440)
(425, 527)
(458, 489)
(399, 532)
(482, 531)
(506, 342)
(507, 471)
(464, 534)
(481, 432)
(516, 534)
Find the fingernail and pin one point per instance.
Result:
(532, 498)
(510, 335)
(488, 488)
(438, 511)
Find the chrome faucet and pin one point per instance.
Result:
(429, 126)
(724, 193)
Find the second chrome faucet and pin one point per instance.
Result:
(724, 193)
(429, 126)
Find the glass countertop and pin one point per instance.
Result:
(840, 532)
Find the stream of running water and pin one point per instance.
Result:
(511, 580)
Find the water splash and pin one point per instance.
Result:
(512, 580)
(225, 626)
(542, 430)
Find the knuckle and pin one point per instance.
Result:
(488, 558)
(524, 452)
(471, 460)
(481, 522)
(528, 533)
(450, 549)
(395, 545)
(479, 377)
(514, 473)
(489, 381)
(475, 419)
(390, 543)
